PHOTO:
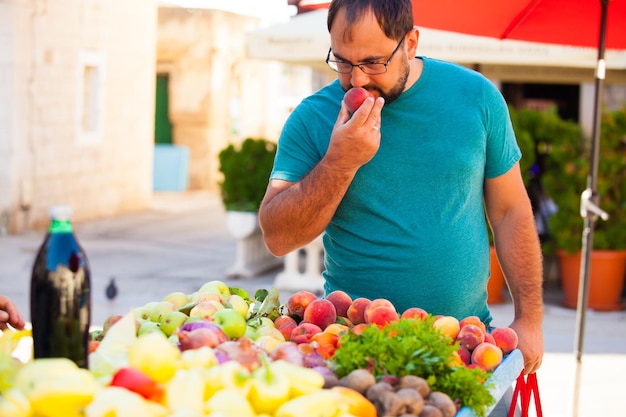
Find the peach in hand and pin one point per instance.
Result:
(354, 97)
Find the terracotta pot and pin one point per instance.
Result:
(496, 284)
(606, 279)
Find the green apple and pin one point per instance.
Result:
(172, 321)
(148, 326)
(216, 287)
(231, 322)
(270, 331)
(158, 309)
(237, 303)
(177, 298)
(141, 313)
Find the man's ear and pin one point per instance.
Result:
(412, 40)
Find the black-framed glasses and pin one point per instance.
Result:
(369, 68)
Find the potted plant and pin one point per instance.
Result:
(565, 177)
(246, 169)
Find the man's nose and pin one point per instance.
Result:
(358, 78)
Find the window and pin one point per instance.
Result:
(90, 98)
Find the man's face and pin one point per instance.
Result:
(365, 42)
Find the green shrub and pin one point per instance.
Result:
(246, 172)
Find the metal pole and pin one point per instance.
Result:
(589, 208)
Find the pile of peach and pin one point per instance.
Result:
(318, 323)
(477, 347)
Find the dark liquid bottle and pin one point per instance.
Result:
(60, 293)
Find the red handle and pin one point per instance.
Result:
(525, 387)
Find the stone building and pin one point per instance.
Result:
(76, 108)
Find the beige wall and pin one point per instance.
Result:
(217, 95)
(47, 153)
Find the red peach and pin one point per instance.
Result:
(382, 315)
(286, 328)
(470, 336)
(320, 312)
(282, 319)
(354, 97)
(489, 339)
(475, 320)
(356, 311)
(447, 325)
(297, 303)
(304, 332)
(414, 313)
(505, 338)
(487, 356)
(378, 302)
(341, 300)
(465, 355)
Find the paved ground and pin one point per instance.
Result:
(182, 242)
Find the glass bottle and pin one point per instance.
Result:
(60, 293)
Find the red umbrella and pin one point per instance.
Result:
(586, 23)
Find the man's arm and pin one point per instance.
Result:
(293, 214)
(519, 252)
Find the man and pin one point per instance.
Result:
(10, 315)
(401, 187)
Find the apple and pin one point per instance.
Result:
(269, 331)
(216, 287)
(237, 303)
(157, 309)
(354, 97)
(110, 321)
(231, 322)
(172, 321)
(206, 310)
(177, 298)
(141, 313)
(148, 326)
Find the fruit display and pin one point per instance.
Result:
(219, 352)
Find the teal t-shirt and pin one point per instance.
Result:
(411, 227)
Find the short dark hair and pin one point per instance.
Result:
(395, 17)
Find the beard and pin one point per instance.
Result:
(395, 91)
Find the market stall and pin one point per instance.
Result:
(221, 351)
